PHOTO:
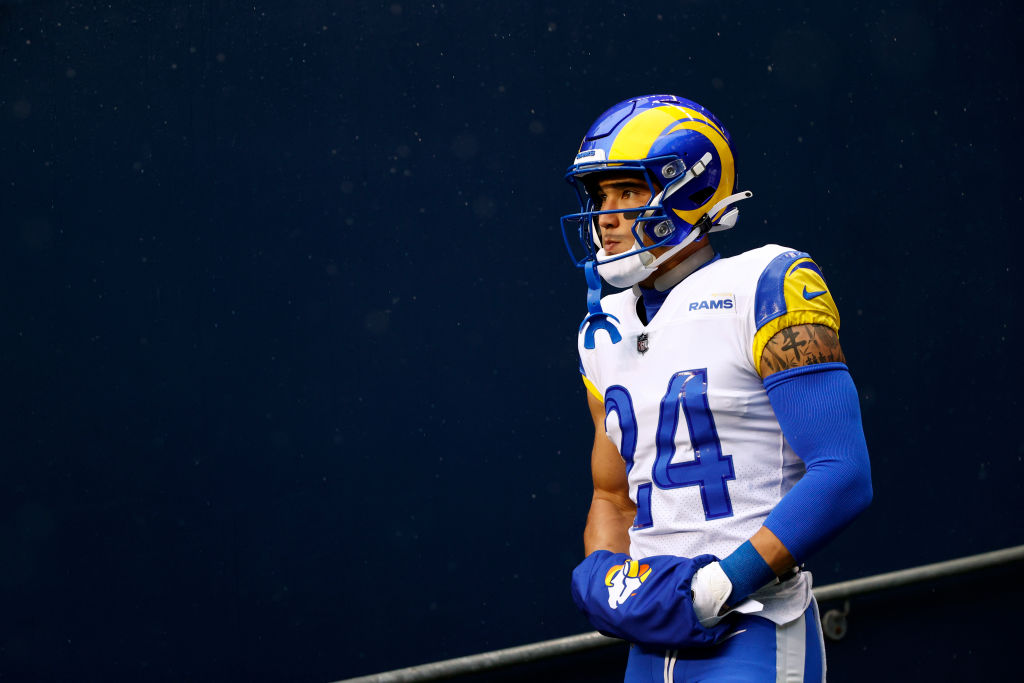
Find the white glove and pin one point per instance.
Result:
(711, 587)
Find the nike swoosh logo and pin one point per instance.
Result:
(812, 295)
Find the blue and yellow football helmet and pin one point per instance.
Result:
(684, 153)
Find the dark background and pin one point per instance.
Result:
(288, 340)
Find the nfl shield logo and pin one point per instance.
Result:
(641, 344)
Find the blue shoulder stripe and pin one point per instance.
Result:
(770, 299)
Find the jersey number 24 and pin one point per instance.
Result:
(710, 469)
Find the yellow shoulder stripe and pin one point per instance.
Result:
(592, 389)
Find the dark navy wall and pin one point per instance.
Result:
(289, 330)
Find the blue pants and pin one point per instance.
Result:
(757, 651)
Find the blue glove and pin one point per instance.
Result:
(646, 601)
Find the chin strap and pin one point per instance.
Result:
(596, 319)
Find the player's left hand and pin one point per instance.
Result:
(646, 601)
(711, 588)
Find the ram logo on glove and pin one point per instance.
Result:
(623, 580)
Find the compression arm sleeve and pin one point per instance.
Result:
(819, 413)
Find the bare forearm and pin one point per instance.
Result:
(607, 527)
(771, 550)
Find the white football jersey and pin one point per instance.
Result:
(686, 408)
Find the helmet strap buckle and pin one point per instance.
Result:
(703, 225)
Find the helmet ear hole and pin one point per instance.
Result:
(702, 195)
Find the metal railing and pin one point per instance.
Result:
(844, 590)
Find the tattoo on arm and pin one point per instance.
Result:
(800, 345)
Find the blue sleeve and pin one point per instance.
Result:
(819, 413)
(747, 571)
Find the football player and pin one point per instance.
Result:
(728, 444)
